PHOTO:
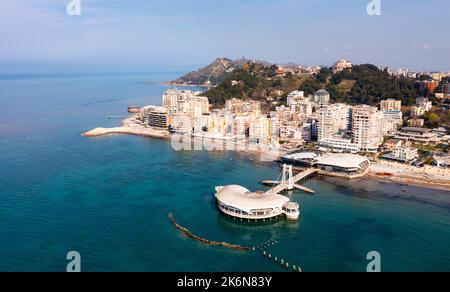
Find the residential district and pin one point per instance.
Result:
(308, 127)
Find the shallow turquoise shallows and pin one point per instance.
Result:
(108, 198)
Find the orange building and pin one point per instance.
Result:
(431, 85)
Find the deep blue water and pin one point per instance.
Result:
(109, 197)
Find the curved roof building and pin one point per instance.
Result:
(347, 163)
(239, 202)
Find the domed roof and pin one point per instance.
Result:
(241, 198)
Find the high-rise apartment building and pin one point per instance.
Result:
(367, 127)
(332, 120)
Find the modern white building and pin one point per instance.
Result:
(185, 101)
(405, 154)
(332, 120)
(295, 97)
(322, 97)
(182, 124)
(240, 203)
(348, 164)
(392, 120)
(339, 145)
(259, 129)
(367, 128)
(423, 105)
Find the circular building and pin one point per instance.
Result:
(239, 202)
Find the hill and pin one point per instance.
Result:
(362, 84)
(255, 81)
(214, 73)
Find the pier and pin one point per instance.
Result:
(290, 182)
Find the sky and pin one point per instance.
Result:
(172, 35)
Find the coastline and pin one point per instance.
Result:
(427, 177)
(129, 127)
(183, 84)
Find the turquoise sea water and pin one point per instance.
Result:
(109, 197)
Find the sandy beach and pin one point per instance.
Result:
(427, 176)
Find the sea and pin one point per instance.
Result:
(108, 198)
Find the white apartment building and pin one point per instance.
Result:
(295, 97)
(425, 104)
(155, 117)
(322, 97)
(237, 106)
(405, 154)
(259, 129)
(339, 145)
(417, 111)
(332, 120)
(199, 105)
(367, 127)
(182, 124)
(240, 126)
(185, 101)
(274, 130)
(304, 108)
(392, 120)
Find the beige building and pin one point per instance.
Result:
(419, 123)
(391, 105)
(332, 120)
(237, 106)
(185, 101)
(418, 136)
(295, 97)
(182, 123)
(341, 65)
(259, 129)
(367, 128)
